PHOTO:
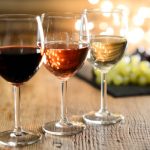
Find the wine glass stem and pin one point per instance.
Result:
(103, 107)
(64, 119)
(16, 92)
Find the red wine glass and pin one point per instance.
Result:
(65, 51)
(20, 59)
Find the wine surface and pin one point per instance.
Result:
(64, 60)
(106, 51)
(19, 63)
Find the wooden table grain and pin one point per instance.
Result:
(40, 103)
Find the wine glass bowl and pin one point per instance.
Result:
(106, 51)
(64, 54)
(19, 68)
(64, 60)
(107, 46)
(20, 59)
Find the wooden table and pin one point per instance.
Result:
(40, 104)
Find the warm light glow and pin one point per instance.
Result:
(93, 2)
(44, 59)
(103, 33)
(116, 19)
(147, 36)
(124, 8)
(138, 20)
(135, 35)
(90, 25)
(78, 24)
(123, 32)
(144, 12)
(106, 6)
(103, 25)
(109, 31)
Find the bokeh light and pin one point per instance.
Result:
(90, 25)
(106, 5)
(93, 2)
(135, 35)
(144, 12)
(116, 19)
(123, 7)
(147, 37)
(103, 25)
(78, 24)
(138, 20)
(109, 31)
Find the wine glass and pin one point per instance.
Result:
(65, 50)
(20, 58)
(107, 45)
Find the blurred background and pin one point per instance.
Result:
(138, 30)
(138, 14)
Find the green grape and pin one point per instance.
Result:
(121, 64)
(133, 78)
(97, 76)
(144, 66)
(142, 80)
(97, 72)
(118, 80)
(126, 70)
(130, 70)
(139, 70)
(126, 80)
(109, 78)
(135, 59)
(147, 75)
(98, 80)
(135, 70)
(111, 74)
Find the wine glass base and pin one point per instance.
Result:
(8, 138)
(102, 118)
(70, 129)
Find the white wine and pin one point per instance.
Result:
(105, 51)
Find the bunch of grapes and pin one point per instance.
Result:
(129, 70)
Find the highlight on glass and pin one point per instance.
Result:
(65, 50)
(108, 42)
(20, 59)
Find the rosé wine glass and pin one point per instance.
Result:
(65, 50)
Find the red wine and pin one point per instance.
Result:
(19, 63)
(64, 60)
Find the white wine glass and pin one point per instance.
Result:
(65, 51)
(107, 30)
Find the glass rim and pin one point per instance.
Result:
(98, 10)
(61, 14)
(14, 17)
